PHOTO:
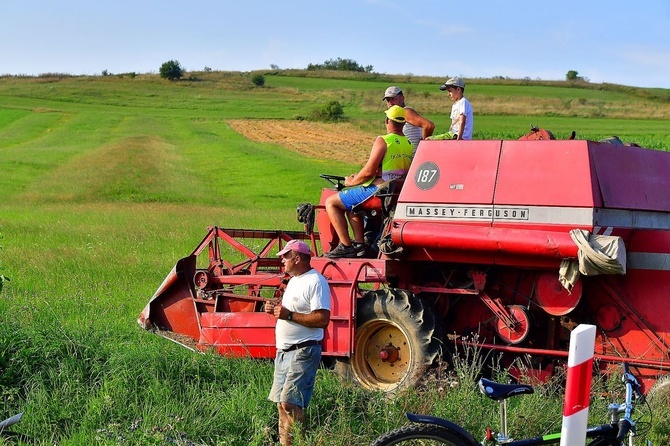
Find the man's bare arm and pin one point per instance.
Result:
(315, 319)
(414, 118)
(371, 166)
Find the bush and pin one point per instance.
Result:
(573, 76)
(171, 70)
(340, 64)
(258, 80)
(333, 111)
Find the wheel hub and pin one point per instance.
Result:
(389, 353)
(383, 358)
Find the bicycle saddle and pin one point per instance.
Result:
(499, 392)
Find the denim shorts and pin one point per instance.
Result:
(295, 372)
(356, 195)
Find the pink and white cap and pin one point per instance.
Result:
(295, 245)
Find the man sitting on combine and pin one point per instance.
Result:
(389, 159)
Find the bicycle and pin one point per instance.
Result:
(427, 430)
(8, 423)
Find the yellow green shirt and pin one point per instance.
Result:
(397, 159)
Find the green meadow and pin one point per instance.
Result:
(106, 181)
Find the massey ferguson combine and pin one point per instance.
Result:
(506, 245)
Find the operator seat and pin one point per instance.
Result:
(378, 208)
(384, 200)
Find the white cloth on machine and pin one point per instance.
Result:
(597, 254)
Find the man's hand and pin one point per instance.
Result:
(275, 308)
(271, 305)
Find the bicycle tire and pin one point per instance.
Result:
(422, 435)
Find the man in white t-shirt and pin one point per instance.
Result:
(302, 315)
(462, 120)
(416, 126)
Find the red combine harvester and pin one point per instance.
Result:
(506, 244)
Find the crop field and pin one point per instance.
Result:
(105, 182)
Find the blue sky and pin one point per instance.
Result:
(622, 42)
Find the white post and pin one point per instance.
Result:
(578, 385)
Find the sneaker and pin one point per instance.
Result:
(360, 249)
(342, 251)
(369, 252)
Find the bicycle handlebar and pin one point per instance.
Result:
(626, 424)
(624, 428)
(629, 378)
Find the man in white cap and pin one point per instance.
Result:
(462, 120)
(302, 315)
(416, 126)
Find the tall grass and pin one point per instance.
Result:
(105, 182)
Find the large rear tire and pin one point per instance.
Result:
(395, 340)
(422, 435)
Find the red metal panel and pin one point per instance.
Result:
(244, 350)
(547, 173)
(466, 173)
(337, 338)
(172, 306)
(343, 276)
(243, 320)
(632, 177)
(654, 241)
(646, 292)
(485, 239)
(326, 231)
(239, 333)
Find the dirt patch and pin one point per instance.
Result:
(342, 142)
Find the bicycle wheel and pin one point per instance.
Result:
(422, 435)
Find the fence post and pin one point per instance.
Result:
(578, 385)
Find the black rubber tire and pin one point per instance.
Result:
(422, 435)
(395, 318)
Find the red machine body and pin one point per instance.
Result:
(481, 230)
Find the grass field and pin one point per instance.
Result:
(107, 181)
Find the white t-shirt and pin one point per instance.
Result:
(304, 293)
(462, 107)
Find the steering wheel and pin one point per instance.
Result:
(335, 180)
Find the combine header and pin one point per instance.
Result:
(506, 244)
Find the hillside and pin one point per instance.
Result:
(107, 181)
(504, 108)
